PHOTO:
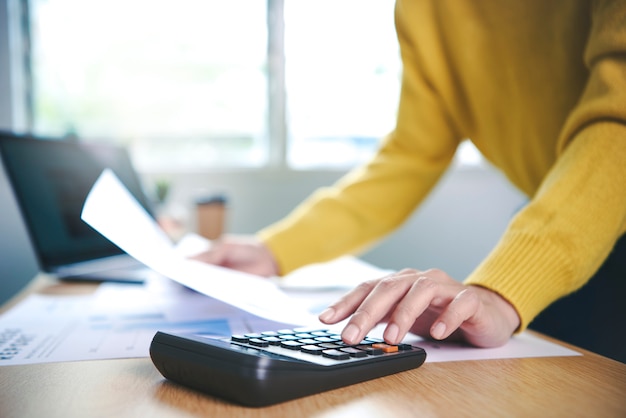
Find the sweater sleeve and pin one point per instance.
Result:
(558, 241)
(372, 200)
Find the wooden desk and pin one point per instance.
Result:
(588, 385)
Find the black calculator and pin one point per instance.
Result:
(260, 369)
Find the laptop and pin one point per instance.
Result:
(50, 179)
(18, 264)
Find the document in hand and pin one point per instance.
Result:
(111, 210)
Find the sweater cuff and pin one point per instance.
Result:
(268, 237)
(528, 271)
(287, 247)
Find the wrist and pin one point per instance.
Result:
(268, 255)
(506, 312)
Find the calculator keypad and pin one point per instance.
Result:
(317, 345)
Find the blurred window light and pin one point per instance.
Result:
(343, 75)
(182, 84)
(188, 85)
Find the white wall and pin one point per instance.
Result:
(456, 227)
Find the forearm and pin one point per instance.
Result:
(354, 213)
(555, 244)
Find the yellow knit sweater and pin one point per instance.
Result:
(540, 89)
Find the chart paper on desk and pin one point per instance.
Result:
(117, 321)
(111, 210)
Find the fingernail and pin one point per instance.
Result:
(391, 333)
(350, 334)
(327, 315)
(438, 330)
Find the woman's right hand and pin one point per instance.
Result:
(243, 253)
(428, 303)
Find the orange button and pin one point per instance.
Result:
(386, 347)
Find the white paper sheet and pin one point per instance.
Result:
(524, 345)
(112, 210)
(342, 273)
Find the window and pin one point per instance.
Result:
(342, 79)
(199, 84)
(183, 84)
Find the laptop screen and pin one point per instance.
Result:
(51, 179)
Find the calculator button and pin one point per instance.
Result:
(292, 345)
(272, 340)
(386, 347)
(312, 349)
(405, 347)
(257, 342)
(354, 352)
(320, 333)
(239, 338)
(308, 341)
(329, 345)
(326, 339)
(269, 333)
(285, 331)
(287, 337)
(335, 354)
(370, 350)
(253, 335)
